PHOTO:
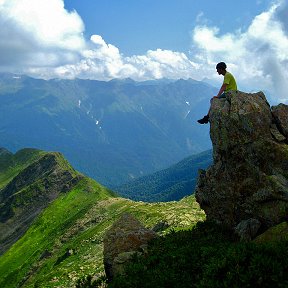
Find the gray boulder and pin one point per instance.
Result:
(247, 229)
(122, 241)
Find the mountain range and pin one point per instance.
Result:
(111, 131)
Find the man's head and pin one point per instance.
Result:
(221, 68)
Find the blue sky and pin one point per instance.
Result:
(136, 26)
(148, 39)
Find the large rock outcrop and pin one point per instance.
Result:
(246, 188)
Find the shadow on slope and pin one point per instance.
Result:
(207, 256)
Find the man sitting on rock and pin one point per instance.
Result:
(229, 84)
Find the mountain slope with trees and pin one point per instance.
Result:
(170, 184)
(111, 131)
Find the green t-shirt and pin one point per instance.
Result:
(230, 81)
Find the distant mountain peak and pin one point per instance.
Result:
(123, 80)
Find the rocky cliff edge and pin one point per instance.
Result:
(246, 188)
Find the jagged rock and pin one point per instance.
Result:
(280, 114)
(247, 229)
(160, 226)
(277, 134)
(249, 176)
(125, 238)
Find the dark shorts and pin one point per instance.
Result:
(223, 95)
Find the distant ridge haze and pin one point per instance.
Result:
(112, 131)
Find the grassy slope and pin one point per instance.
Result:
(76, 222)
(11, 164)
(24, 193)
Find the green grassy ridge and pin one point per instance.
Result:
(22, 163)
(59, 230)
(46, 229)
(5, 158)
(28, 184)
(12, 164)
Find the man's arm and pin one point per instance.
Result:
(222, 89)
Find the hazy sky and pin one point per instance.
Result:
(148, 39)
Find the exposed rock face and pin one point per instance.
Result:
(249, 176)
(126, 237)
(280, 113)
(28, 193)
(247, 229)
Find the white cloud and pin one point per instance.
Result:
(258, 56)
(162, 64)
(37, 33)
(48, 21)
(104, 61)
(42, 39)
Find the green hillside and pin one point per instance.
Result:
(29, 181)
(11, 164)
(170, 184)
(64, 241)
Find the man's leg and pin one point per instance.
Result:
(205, 119)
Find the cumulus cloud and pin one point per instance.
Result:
(38, 33)
(258, 56)
(42, 39)
(104, 61)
